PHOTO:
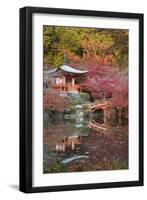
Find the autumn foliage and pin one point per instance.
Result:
(103, 52)
(104, 81)
(106, 46)
(53, 101)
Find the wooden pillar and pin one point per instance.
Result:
(72, 145)
(61, 81)
(73, 82)
(105, 116)
(64, 80)
(57, 147)
(57, 81)
(119, 117)
(63, 147)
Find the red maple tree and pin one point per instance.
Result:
(53, 101)
(104, 81)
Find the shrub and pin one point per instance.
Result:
(85, 96)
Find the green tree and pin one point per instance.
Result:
(85, 44)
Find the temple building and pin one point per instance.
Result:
(65, 78)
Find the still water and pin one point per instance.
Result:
(72, 144)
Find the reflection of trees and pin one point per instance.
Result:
(55, 133)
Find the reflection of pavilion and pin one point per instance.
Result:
(64, 78)
(69, 142)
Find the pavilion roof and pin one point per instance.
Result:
(68, 69)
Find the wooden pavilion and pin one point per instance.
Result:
(64, 78)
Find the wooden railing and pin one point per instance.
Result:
(66, 87)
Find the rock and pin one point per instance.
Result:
(67, 111)
(67, 160)
(79, 106)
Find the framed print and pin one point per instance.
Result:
(81, 99)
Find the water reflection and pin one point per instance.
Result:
(71, 144)
(111, 117)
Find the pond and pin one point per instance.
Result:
(72, 145)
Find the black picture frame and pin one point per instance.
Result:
(26, 76)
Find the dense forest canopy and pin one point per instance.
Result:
(104, 46)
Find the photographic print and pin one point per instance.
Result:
(85, 99)
(81, 99)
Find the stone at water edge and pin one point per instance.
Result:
(67, 160)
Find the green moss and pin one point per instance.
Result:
(54, 168)
(73, 109)
(85, 96)
(112, 165)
